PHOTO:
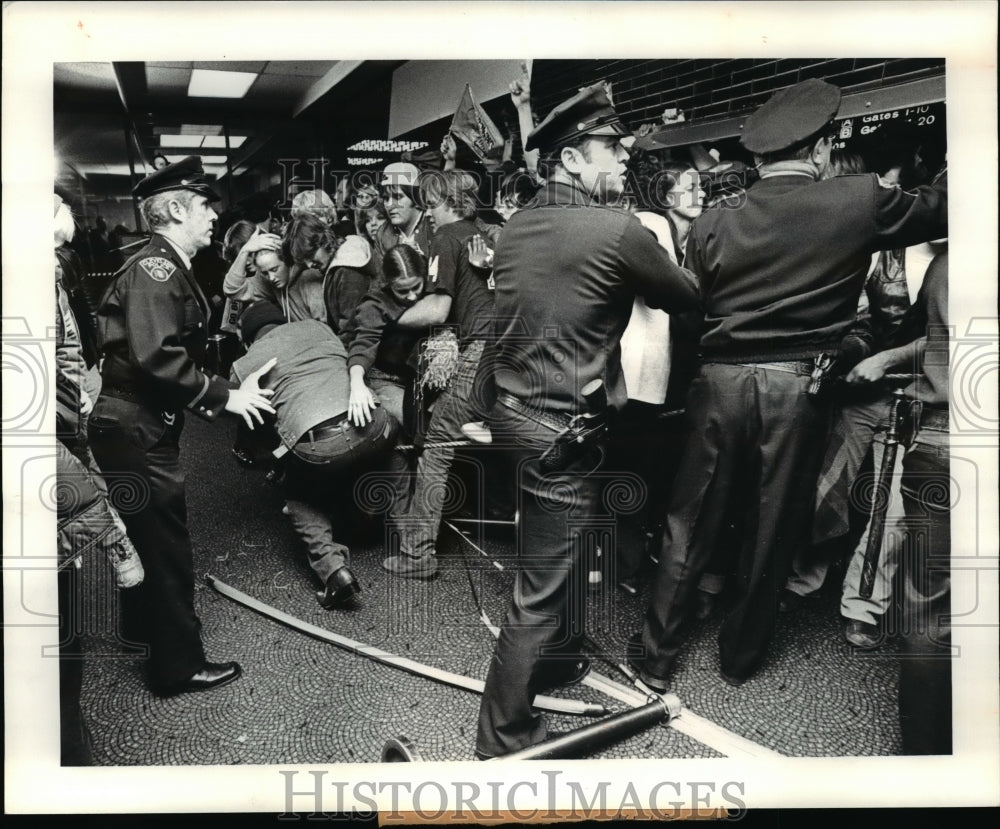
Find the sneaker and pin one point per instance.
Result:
(411, 567)
(477, 431)
(862, 635)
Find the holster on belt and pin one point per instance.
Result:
(581, 434)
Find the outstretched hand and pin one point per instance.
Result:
(249, 400)
(869, 370)
(480, 256)
(520, 87)
(361, 405)
(449, 149)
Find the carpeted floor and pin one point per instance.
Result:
(306, 701)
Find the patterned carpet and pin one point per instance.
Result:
(307, 701)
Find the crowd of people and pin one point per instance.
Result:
(716, 334)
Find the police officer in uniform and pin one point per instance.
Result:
(780, 279)
(153, 323)
(567, 270)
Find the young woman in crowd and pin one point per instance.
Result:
(382, 356)
(657, 357)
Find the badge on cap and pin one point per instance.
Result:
(157, 268)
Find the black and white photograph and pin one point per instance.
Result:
(441, 410)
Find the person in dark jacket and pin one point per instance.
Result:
(567, 270)
(780, 280)
(153, 324)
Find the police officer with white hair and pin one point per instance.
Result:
(153, 323)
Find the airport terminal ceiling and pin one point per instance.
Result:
(111, 119)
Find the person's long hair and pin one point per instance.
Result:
(403, 261)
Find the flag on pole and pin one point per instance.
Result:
(476, 128)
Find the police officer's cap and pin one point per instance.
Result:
(790, 116)
(186, 174)
(589, 112)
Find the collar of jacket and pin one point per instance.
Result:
(564, 191)
(789, 168)
(171, 245)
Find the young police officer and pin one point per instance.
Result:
(567, 271)
(153, 324)
(780, 279)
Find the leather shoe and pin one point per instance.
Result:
(243, 456)
(862, 635)
(633, 655)
(565, 673)
(790, 602)
(412, 567)
(735, 681)
(211, 675)
(341, 586)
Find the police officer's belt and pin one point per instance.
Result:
(333, 426)
(803, 367)
(934, 418)
(555, 422)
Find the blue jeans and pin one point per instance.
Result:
(418, 521)
(546, 619)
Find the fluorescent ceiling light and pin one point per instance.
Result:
(205, 159)
(181, 140)
(201, 129)
(210, 83)
(218, 142)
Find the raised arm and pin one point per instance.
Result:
(520, 94)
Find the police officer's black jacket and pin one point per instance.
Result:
(567, 272)
(781, 274)
(153, 324)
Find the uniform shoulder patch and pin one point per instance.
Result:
(158, 268)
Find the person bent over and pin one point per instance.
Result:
(321, 448)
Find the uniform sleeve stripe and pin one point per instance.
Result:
(201, 394)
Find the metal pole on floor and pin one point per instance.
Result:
(542, 702)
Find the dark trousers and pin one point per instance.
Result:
(74, 735)
(644, 443)
(756, 443)
(139, 455)
(925, 672)
(545, 624)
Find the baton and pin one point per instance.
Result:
(880, 504)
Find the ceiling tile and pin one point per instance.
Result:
(270, 87)
(306, 68)
(167, 81)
